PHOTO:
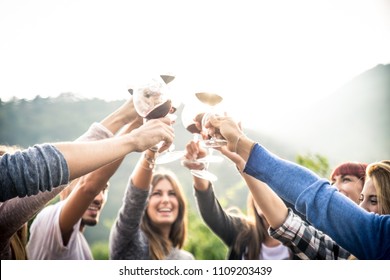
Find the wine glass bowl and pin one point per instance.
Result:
(215, 139)
(213, 101)
(209, 98)
(195, 126)
(151, 100)
(192, 115)
(167, 78)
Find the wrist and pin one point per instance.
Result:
(149, 159)
(244, 147)
(237, 142)
(153, 149)
(127, 113)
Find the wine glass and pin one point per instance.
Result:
(191, 119)
(152, 100)
(213, 101)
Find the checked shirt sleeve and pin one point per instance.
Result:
(307, 242)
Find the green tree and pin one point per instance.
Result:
(100, 250)
(317, 163)
(202, 242)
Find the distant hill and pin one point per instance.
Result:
(351, 124)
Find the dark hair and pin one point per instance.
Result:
(253, 233)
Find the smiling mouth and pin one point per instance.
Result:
(164, 210)
(93, 208)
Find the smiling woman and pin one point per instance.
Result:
(152, 222)
(163, 204)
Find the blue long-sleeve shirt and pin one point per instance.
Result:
(27, 172)
(365, 235)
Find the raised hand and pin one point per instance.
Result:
(151, 133)
(193, 153)
(231, 130)
(227, 127)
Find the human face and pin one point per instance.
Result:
(368, 198)
(349, 185)
(92, 214)
(163, 206)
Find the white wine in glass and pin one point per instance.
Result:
(213, 101)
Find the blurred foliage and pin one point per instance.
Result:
(202, 242)
(315, 162)
(100, 250)
(64, 118)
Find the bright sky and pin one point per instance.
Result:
(284, 53)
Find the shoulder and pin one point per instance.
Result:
(185, 255)
(48, 214)
(179, 254)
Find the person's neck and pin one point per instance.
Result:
(165, 231)
(271, 242)
(82, 227)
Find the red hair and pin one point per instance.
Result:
(356, 169)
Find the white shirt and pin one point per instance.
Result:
(279, 252)
(46, 243)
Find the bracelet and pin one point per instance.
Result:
(151, 161)
(154, 149)
(238, 139)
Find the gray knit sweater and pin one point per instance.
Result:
(27, 172)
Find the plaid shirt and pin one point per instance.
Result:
(306, 242)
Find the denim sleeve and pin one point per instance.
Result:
(27, 172)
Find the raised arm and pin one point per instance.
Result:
(90, 185)
(126, 240)
(217, 219)
(362, 233)
(304, 240)
(46, 166)
(272, 206)
(17, 211)
(84, 157)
